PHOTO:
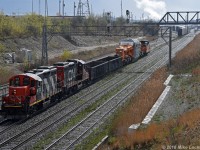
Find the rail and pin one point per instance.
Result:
(3, 91)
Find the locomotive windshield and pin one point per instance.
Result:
(145, 42)
(26, 81)
(126, 43)
(17, 81)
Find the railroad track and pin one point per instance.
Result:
(72, 137)
(58, 119)
(69, 106)
(24, 136)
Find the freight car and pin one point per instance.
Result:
(182, 31)
(30, 91)
(100, 67)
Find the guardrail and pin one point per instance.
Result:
(3, 91)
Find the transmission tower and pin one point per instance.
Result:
(83, 8)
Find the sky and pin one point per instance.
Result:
(140, 9)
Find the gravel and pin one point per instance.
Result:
(183, 96)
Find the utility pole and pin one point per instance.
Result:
(170, 46)
(32, 7)
(59, 7)
(44, 58)
(121, 9)
(74, 9)
(39, 7)
(63, 8)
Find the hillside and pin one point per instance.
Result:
(56, 47)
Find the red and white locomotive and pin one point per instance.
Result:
(28, 92)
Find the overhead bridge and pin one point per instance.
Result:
(132, 29)
(126, 30)
(180, 18)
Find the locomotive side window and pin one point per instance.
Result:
(17, 81)
(39, 88)
(11, 82)
(32, 83)
(26, 81)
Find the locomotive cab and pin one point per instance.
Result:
(80, 68)
(128, 50)
(23, 90)
(145, 47)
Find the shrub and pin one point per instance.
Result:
(2, 48)
(5, 74)
(66, 55)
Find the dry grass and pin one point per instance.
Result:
(187, 58)
(196, 71)
(136, 111)
(185, 130)
(98, 52)
(87, 55)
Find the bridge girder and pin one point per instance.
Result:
(178, 18)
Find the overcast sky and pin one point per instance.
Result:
(153, 9)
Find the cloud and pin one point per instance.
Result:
(155, 8)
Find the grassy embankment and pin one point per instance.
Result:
(182, 130)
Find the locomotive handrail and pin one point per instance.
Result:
(3, 90)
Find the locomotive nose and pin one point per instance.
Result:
(17, 94)
(18, 91)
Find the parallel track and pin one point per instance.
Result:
(72, 137)
(67, 115)
(17, 144)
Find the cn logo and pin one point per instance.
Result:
(71, 75)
